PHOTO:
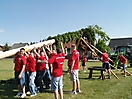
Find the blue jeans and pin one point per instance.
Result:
(43, 75)
(32, 85)
(27, 80)
(47, 78)
(20, 81)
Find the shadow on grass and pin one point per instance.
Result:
(46, 91)
(66, 92)
(7, 89)
(88, 78)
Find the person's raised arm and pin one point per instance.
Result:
(66, 51)
(54, 47)
(27, 53)
(36, 52)
(45, 53)
(63, 51)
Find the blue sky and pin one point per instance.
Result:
(32, 20)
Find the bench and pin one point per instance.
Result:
(96, 68)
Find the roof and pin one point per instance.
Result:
(18, 45)
(120, 41)
(1, 46)
(121, 37)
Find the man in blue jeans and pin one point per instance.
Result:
(31, 67)
(20, 63)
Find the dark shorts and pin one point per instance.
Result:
(20, 81)
(106, 66)
(83, 63)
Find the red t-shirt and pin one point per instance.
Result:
(31, 63)
(19, 62)
(84, 58)
(57, 62)
(122, 59)
(75, 57)
(41, 66)
(105, 57)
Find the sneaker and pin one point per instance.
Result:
(73, 92)
(28, 93)
(78, 90)
(125, 75)
(33, 95)
(23, 95)
(19, 93)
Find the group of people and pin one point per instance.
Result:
(38, 66)
(44, 65)
(105, 60)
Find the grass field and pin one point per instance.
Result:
(91, 88)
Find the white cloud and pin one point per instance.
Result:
(1, 30)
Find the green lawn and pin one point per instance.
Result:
(91, 88)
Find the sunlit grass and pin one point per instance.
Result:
(91, 88)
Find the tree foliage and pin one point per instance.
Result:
(6, 47)
(94, 34)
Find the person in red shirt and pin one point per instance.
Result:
(74, 70)
(57, 62)
(43, 71)
(84, 60)
(105, 61)
(31, 60)
(20, 63)
(123, 61)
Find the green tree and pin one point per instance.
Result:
(6, 47)
(101, 45)
(94, 34)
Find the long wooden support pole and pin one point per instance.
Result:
(13, 51)
(97, 56)
(99, 51)
(109, 58)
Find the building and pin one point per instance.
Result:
(81, 48)
(18, 45)
(1, 48)
(119, 41)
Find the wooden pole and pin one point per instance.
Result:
(97, 56)
(14, 51)
(78, 42)
(114, 74)
(89, 46)
(109, 58)
(99, 51)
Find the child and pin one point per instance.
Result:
(84, 62)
